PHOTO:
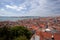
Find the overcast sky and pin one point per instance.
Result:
(29, 7)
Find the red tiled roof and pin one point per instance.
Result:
(57, 36)
(42, 25)
(47, 35)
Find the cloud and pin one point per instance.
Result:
(6, 13)
(34, 8)
(46, 8)
(2, 9)
(14, 7)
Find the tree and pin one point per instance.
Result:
(17, 32)
(21, 38)
(20, 31)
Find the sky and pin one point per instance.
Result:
(29, 7)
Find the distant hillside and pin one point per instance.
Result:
(14, 18)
